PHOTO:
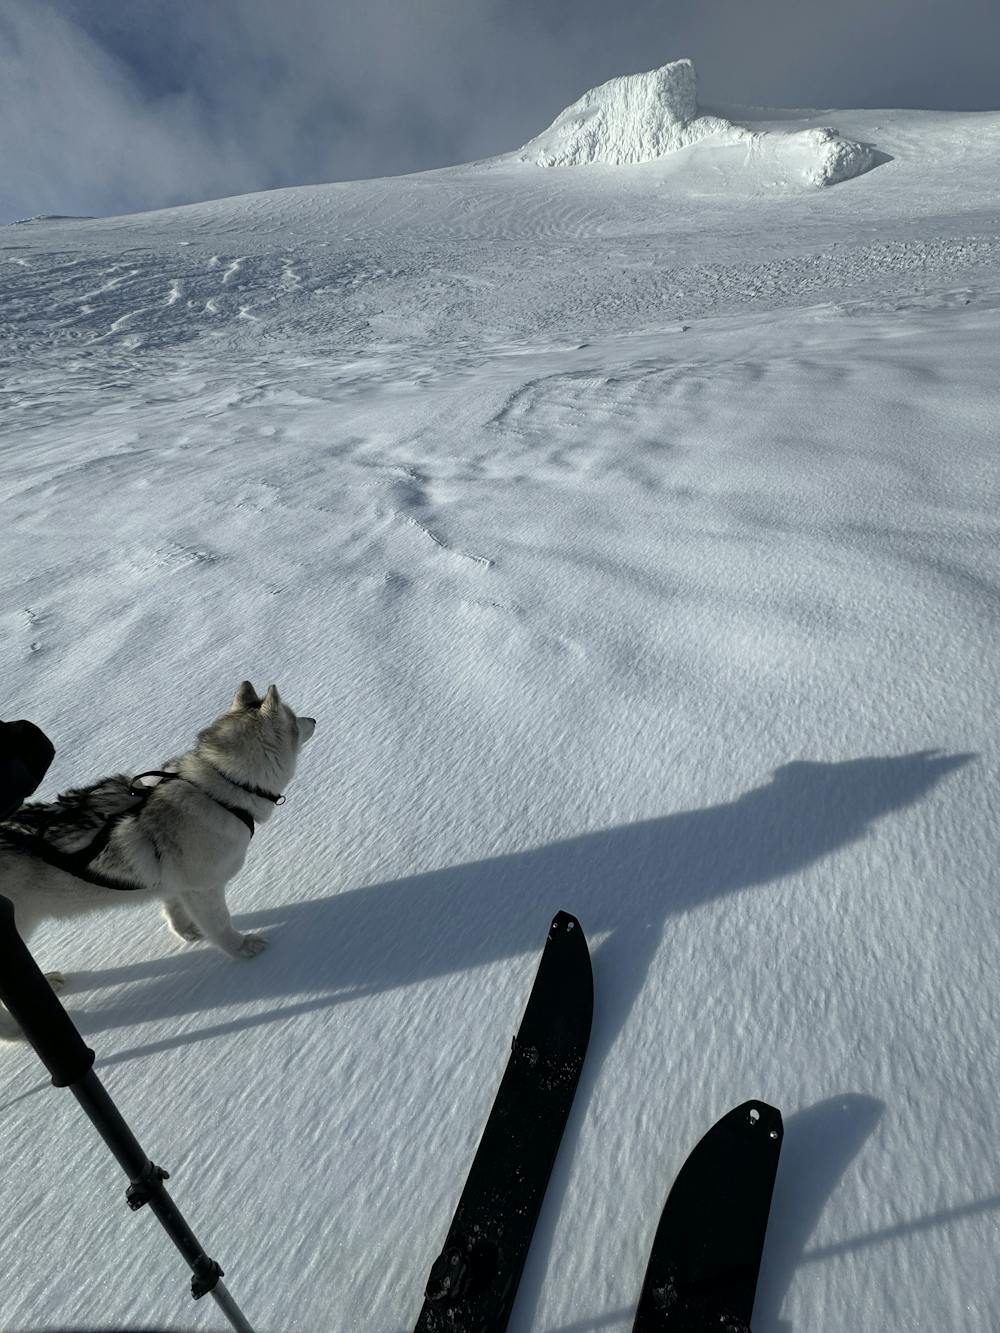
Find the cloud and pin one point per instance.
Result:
(230, 97)
(77, 135)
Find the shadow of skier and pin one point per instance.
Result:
(808, 811)
(623, 883)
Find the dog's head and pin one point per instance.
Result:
(276, 714)
(258, 739)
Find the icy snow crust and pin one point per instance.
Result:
(639, 117)
(633, 533)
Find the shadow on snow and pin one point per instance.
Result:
(624, 884)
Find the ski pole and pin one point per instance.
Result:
(58, 1044)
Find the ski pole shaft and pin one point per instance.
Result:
(50, 1030)
(33, 1002)
(147, 1187)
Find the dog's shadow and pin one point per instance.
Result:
(623, 882)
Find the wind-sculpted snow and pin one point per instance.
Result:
(639, 117)
(406, 284)
(630, 119)
(834, 159)
(496, 250)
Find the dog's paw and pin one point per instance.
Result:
(189, 934)
(56, 980)
(251, 946)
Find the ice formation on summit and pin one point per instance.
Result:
(639, 117)
(633, 118)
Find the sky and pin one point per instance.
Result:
(108, 108)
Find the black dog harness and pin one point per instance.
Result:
(236, 810)
(78, 863)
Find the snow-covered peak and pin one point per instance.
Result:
(639, 117)
(630, 119)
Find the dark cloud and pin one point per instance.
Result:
(109, 107)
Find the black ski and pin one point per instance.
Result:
(703, 1267)
(473, 1282)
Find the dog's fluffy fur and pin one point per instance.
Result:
(179, 842)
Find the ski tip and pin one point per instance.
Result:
(761, 1120)
(563, 923)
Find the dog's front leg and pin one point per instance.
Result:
(207, 910)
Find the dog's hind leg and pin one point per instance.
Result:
(179, 921)
(9, 1030)
(207, 909)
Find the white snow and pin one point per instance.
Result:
(629, 119)
(640, 117)
(632, 533)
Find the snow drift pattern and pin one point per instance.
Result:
(639, 117)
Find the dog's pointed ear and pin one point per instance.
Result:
(271, 700)
(245, 697)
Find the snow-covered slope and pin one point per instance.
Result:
(632, 532)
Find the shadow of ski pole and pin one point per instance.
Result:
(819, 1145)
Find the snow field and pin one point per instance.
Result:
(638, 556)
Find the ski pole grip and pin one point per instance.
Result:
(33, 1003)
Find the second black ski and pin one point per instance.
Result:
(703, 1266)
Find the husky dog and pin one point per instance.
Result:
(179, 838)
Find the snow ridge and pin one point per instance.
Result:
(640, 117)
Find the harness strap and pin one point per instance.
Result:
(75, 863)
(78, 863)
(254, 791)
(236, 810)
